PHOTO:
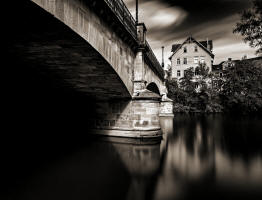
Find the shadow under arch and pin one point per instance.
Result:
(46, 45)
(153, 88)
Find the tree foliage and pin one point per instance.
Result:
(250, 26)
(242, 87)
(192, 93)
(239, 90)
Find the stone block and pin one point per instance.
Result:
(141, 123)
(155, 123)
(152, 110)
(136, 117)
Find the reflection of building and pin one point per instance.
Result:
(192, 154)
(189, 54)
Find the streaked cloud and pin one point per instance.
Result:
(172, 21)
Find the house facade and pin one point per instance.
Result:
(189, 54)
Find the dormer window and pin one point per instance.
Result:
(185, 50)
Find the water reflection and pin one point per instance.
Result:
(211, 157)
(142, 160)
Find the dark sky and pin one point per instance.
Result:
(172, 21)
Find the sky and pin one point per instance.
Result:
(172, 21)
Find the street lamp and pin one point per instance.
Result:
(136, 11)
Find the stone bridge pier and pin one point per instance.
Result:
(140, 116)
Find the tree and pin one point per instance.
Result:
(203, 76)
(242, 88)
(250, 26)
(186, 82)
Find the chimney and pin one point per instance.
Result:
(208, 45)
(163, 64)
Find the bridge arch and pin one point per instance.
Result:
(153, 88)
(55, 41)
(78, 47)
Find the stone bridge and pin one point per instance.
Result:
(96, 48)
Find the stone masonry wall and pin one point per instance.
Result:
(127, 115)
(76, 15)
(150, 76)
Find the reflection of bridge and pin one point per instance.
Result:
(94, 47)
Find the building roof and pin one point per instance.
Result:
(257, 61)
(202, 44)
(206, 43)
(175, 47)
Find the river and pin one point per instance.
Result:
(199, 157)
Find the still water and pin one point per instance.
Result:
(199, 157)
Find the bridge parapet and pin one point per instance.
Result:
(123, 14)
(121, 11)
(156, 67)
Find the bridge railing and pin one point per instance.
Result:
(123, 14)
(126, 18)
(151, 56)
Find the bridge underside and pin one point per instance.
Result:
(51, 70)
(38, 42)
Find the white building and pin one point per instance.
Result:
(189, 54)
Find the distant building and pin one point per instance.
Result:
(189, 54)
(220, 69)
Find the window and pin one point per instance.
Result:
(196, 48)
(185, 50)
(185, 61)
(178, 73)
(202, 59)
(196, 60)
(178, 61)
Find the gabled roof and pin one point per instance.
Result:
(175, 47)
(202, 44)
